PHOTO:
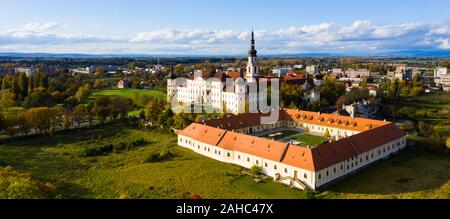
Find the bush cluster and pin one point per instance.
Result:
(159, 156)
(113, 148)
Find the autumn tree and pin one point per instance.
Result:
(79, 114)
(83, 91)
(6, 100)
(102, 108)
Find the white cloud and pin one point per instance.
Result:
(360, 36)
(444, 44)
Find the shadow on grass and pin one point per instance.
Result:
(409, 171)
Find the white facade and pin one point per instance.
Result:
(440, 71)
(311, 69)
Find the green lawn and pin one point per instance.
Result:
(285, 133)
(125, 93)
(310, 140)
(126, 174)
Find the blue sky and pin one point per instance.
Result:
(222, 26)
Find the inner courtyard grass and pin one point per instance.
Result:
(307, 139)
(284, 133)
(128, 174)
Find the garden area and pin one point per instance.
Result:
(308, 139)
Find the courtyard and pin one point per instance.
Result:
(296, 136)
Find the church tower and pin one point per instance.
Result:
(171, 89)
(252, 65)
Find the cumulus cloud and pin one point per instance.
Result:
(360, 36)
(44, 33)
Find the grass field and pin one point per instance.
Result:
(126, 93)
(126, 174)
(310, 140)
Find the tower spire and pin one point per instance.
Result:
(252, 52)
(252, 65)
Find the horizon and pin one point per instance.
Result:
(222, 28)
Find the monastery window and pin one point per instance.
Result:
(379, 152)
(239, 157)
(257, 162)
(384, 150)
(367, 157)
(348, 166)
(248, 159)
(219, 152)
(352, 165)
(360, 159)
(342, 167)
(371, 155)
(265, 164)
(320, 176)
(228, 154)
(199, 147)
(285, 170)
(274, 167)
(327, 173)
(208, 150)
(334, 170)
(356, 163)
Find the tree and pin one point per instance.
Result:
(102, 108)
(38, 99)
(24, 123)
(83, 91)
(15, 88)
(165, 120)
(40, 119)
(395, 89)
(120, 107)
(23, 85)
(417, 91)
(448, 143)
(57, 96)
(6, 82)
(79, 114)
(99, 71)
(153, 109)
(31, 83)
(417, 78)
(58, 119)
(7, 100)
(41, 80)
(135, 98)
(2, 122)
(98, 84)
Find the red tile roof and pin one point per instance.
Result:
(305, 158)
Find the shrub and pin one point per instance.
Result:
(310, 194)
(97, 151)
(16, 185)
(255, 170)
(159, 156)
